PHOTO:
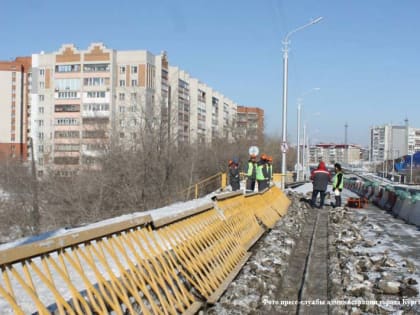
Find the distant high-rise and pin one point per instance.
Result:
(389, 142)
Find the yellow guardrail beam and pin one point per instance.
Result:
(130, 267)
(11, 255)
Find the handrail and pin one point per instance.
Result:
(140, 262)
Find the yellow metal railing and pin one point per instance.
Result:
(140, 265)
(204, 186)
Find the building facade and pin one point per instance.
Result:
(15, 86)
(83, 100)
(250, 123)
(389, 142)
(332, 153)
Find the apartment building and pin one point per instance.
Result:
(332, 153)
(393, 141)
(199, 113)
(15, 85)
(85, 99)
(250, 122)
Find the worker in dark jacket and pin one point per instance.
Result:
(320, 178)
(251, 173)
(338, 184)
(262, 173)
(234, 174)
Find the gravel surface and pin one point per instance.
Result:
(371, 268)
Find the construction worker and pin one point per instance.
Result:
(262, 173)
(251, 173)
(320, 178)
(234, 174)
(338, 184)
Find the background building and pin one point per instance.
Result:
(332, 153)
(85, 99)
(391, 141)
(15, 85)
(250, 121)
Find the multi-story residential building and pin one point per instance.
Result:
(85, 99)
(199, 113)
(332, 153)
(391, 141)
(15, 85)
(250, 121)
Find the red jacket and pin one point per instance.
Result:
(320, 177)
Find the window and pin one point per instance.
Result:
(40, 123)
(68, 95)
(67, 68)
(41, 110)
(67, 147)
(94, 107)
(41, 97)
(95, 120)
(67, 108)
(97, 67)
(133, 82)
(41, 72)
(95, 81)
(66, 121)
(94, 134)
(133, 69)
(67, 84)
(121, 96)
(133, 96)
(66, 134)
(96, 94)
(122, 69)
(66, 160)
(122, 109)
(122, 82)
(42, 85)
(40, 135)
(41, 149)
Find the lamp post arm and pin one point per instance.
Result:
(286, 39)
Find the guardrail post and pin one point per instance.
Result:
(224, 181)
(196, 191)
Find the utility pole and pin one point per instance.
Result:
(346, 147)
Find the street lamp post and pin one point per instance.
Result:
(411, 168)
(285, 69)
(299, 108)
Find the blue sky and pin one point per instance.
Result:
(364, 55)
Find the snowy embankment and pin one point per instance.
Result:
(372, 266)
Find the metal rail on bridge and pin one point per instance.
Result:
(167, 266)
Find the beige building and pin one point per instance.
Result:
(15, 85)
(84, 99)
(331, 153)
(200, 114)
